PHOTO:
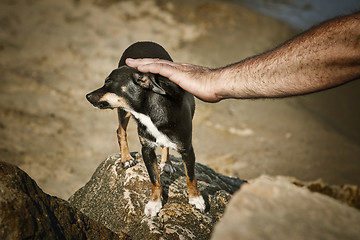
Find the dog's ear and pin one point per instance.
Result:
(147, 80)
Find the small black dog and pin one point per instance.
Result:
(163, 112)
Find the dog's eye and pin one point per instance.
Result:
(107, 80)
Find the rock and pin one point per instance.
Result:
(26, 212)
(117, 197)
(275, 208)
(348, 194)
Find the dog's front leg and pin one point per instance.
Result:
(126, 159)
(165, 164)
(195, 197)
(154, 205)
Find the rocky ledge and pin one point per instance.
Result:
(111, 204)
(26, 212)
(277, 208)
(116, 198)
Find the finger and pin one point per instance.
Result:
(163, 69)
(142, 61)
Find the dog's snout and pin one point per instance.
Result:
(93, 98)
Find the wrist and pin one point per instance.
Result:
(231, 82)
(220, 89)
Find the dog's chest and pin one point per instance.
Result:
(160, 138)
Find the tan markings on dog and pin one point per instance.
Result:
(142, 140)
(155, 193)
(156, 189)
(164, 155)
(123, 88)
(179, 147)
(144, 81)
(193, 191)
(122, 138)
(115, 101)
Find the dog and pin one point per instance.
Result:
(163, 112)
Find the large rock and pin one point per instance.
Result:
(348, 194)
(26, 212)
(275, 208)
(117, 197)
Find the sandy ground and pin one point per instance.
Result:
(54, 52)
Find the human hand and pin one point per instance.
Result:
(200, 81)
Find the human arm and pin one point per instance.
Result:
(323, 57)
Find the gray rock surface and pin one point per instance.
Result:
(275, 208)
(116, 198)
(26, 212)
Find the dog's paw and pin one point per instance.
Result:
(198, 202)
(129, 163)
(152, 208)
(166, 167)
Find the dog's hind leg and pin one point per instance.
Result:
(126, 159)
(195, 197)
(165, 164)
(154, 205)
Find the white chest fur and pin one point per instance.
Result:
(161, 139)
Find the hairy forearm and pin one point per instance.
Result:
(321, 58)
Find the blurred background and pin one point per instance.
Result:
(54, 52)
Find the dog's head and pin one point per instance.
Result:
(123, 88)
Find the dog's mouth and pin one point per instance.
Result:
(97, 102)
(103, 105)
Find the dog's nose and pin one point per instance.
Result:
(88, 96)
